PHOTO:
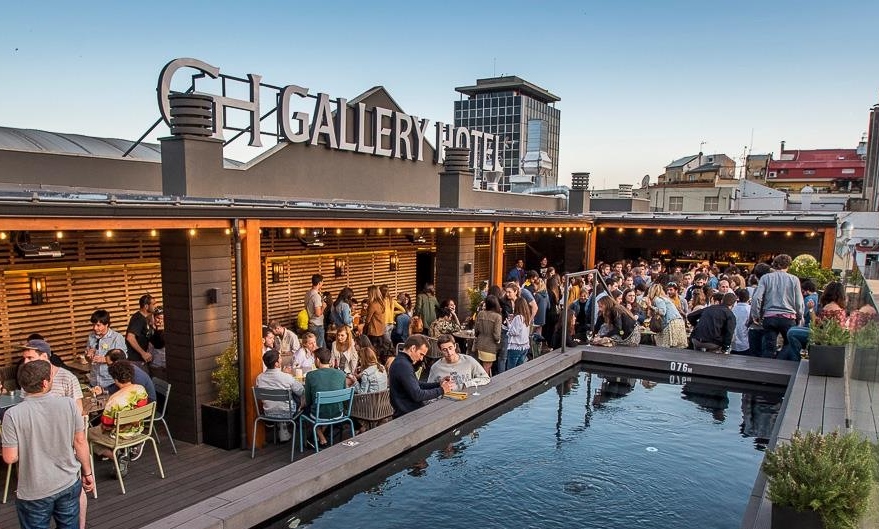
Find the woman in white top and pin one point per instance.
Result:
(518, 333)
(344, 354)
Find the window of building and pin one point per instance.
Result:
(848, 171)
(675, 203)
(711, 203)
(808, 171)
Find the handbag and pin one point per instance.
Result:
(656, 323)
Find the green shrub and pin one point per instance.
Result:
(225, 376)
(828, 332)
(807, 267)
(867, 336)
(831, 474)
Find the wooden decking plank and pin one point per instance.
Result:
(812, 414)
(834, 392)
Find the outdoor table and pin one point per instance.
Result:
(466, 339)
(8, 401)
(93, 404)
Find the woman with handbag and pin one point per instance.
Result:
(674, 331)
(616, 325)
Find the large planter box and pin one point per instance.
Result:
(826, 360)
(784, 517)
(865, 364)
(221, 427)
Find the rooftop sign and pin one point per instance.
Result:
(395, 134)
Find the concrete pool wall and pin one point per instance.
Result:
(261, 499)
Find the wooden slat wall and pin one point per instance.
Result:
(368, 264)
(74, 293)
(481, 260)
(95, 272)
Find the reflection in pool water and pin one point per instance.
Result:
(589, 450)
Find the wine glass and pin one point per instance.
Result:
(475, 387)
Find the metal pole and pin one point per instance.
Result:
(239, 330)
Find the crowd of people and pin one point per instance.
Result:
(764, 312)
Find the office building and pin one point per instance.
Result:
(524, 116)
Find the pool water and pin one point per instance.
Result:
(587, 449)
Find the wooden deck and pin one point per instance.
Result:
(821, 404)
(197, 472)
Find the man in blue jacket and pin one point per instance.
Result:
(407, 393)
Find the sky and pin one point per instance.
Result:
(641, 82)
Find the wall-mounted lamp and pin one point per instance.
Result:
(213, 296)
(393, 262)
(339, 266)
(39, 295)
(277, 268)
(468, 268)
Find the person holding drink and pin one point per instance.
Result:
(101, 341)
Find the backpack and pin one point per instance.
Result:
(302, 320)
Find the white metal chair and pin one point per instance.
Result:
(345, 397)
(163, 390)
(289, 415)
(115, 442)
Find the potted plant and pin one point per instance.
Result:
(865, 340)
(220, 420)
(820, 480)
(827, 342)
(807, 267)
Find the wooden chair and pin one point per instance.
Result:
(143, 415)
(372, 409)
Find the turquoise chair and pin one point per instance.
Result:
(261, 395)
(344, 396)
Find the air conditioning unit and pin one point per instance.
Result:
(771, 174)
(870, 243)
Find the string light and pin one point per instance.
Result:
(678, 231)
(811, 234)
(433, 230)
(60, 234)
(192, 232)
(742, 233)
(788, 233)
(658, 230)
(3, 236)
(359, 231)
(720, 232)
(338, 231)
(288, 231)
(153, 233)
(639, 230)
(620, 230)
(699, 231)
(399, 231)
(301, 231)
(765, 233)
(416, 230)
(227, 231)
(108, 233)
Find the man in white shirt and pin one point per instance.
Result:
(274, 378)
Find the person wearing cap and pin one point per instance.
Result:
(101, 340)
(45, 435)
(64, 383)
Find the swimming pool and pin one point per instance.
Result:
(599, 448)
